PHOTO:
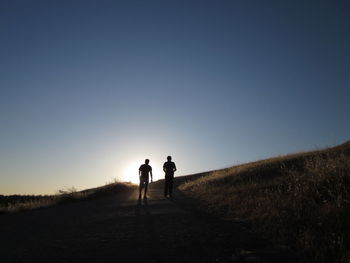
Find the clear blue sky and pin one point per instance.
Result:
(89, 89)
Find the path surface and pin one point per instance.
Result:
(123, 229)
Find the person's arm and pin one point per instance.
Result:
(151, 176)
(164, 168)
(174, 167)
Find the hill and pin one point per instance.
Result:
(301, 199)
(15, 203)
(124, 228)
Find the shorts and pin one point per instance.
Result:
(144, 180)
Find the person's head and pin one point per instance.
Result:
(146, 161)
(169, 158)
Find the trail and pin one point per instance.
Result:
(122, 228)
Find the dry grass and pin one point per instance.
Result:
(15, 203)
(301, 199)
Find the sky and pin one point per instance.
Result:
(89, 89)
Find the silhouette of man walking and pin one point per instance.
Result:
(169, 168)
(144, 171)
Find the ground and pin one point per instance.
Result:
(122, 228)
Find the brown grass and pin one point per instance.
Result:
(301, 199)
(15, 203)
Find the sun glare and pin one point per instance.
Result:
(131, 173)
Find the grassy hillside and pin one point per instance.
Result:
(302, 199)
(14, 203)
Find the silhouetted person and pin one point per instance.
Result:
(169, 168)
(144, 171)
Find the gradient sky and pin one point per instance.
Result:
(89, 89)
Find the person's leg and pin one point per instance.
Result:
(140, 188)
(166, 186)
(171, 179)
(146, 187)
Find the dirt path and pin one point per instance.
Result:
(122, 229)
